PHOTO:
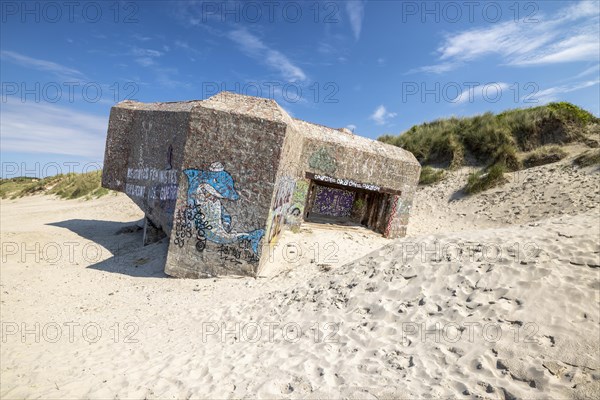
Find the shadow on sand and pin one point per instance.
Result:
(458, 195)
(123, 240)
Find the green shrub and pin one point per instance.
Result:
(430, 175)
(573, 113)
(480, 181)
(359, 204)
(544, 155)
(588, 158)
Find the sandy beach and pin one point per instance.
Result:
(490, 296)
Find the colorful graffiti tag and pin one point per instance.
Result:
(296, 210)
(392, 215)
(333, 202)
(321, 160)
(206, 214)
(283, 201)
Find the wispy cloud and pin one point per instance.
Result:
(141, 38)
(588, 71)
(166, 77)
(489, 92)
(191, 51)
(571, 34)
(381, 115)
(553, 93)
(256, 48)
(356, 14)
(58, 70)
(582, 47)
(145, 57)
(437, 68)
(54, 130)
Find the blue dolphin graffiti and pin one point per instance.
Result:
(206, 189)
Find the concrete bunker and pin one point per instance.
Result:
(224, 177)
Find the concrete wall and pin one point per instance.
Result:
(341, 162)
(334, 159)
(143, 158)
(288, 173)
(303, 154)
(226, 189)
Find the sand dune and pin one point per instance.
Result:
(492, 296)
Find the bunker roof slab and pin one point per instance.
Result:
(268, 109)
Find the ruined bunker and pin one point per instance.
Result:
(224, 177)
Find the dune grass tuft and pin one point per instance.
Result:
(544, 155)
(588, 158)
(430, 175)
(484, 180)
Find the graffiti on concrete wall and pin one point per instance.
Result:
(346, 182)
(206, 215)
(392, 215)
(154, 185)
(294, 215)
(283, 200)
(322, 161)
(190, 222)
(235, 254)
(333, 202)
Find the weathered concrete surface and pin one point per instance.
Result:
(240, 154)
(225, 176)
(144, 155)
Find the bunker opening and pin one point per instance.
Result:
(330, 202)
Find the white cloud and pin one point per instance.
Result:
(583, 47)
(356, 14)
(257, 49)
(436, 69)
(381, 116)
(492, 91)
(141, 38)
(571, 34)
(145, 57)
(146, 52)
(145, 61)
(595, 69)
(59, 70)
(192, 52)
(166, 78)
(54, 130)
(553, 93)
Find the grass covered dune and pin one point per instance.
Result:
(499, 143)
(65, 186)
(490, 139)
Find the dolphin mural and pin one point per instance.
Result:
(206, 189)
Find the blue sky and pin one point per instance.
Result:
(378, 67)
